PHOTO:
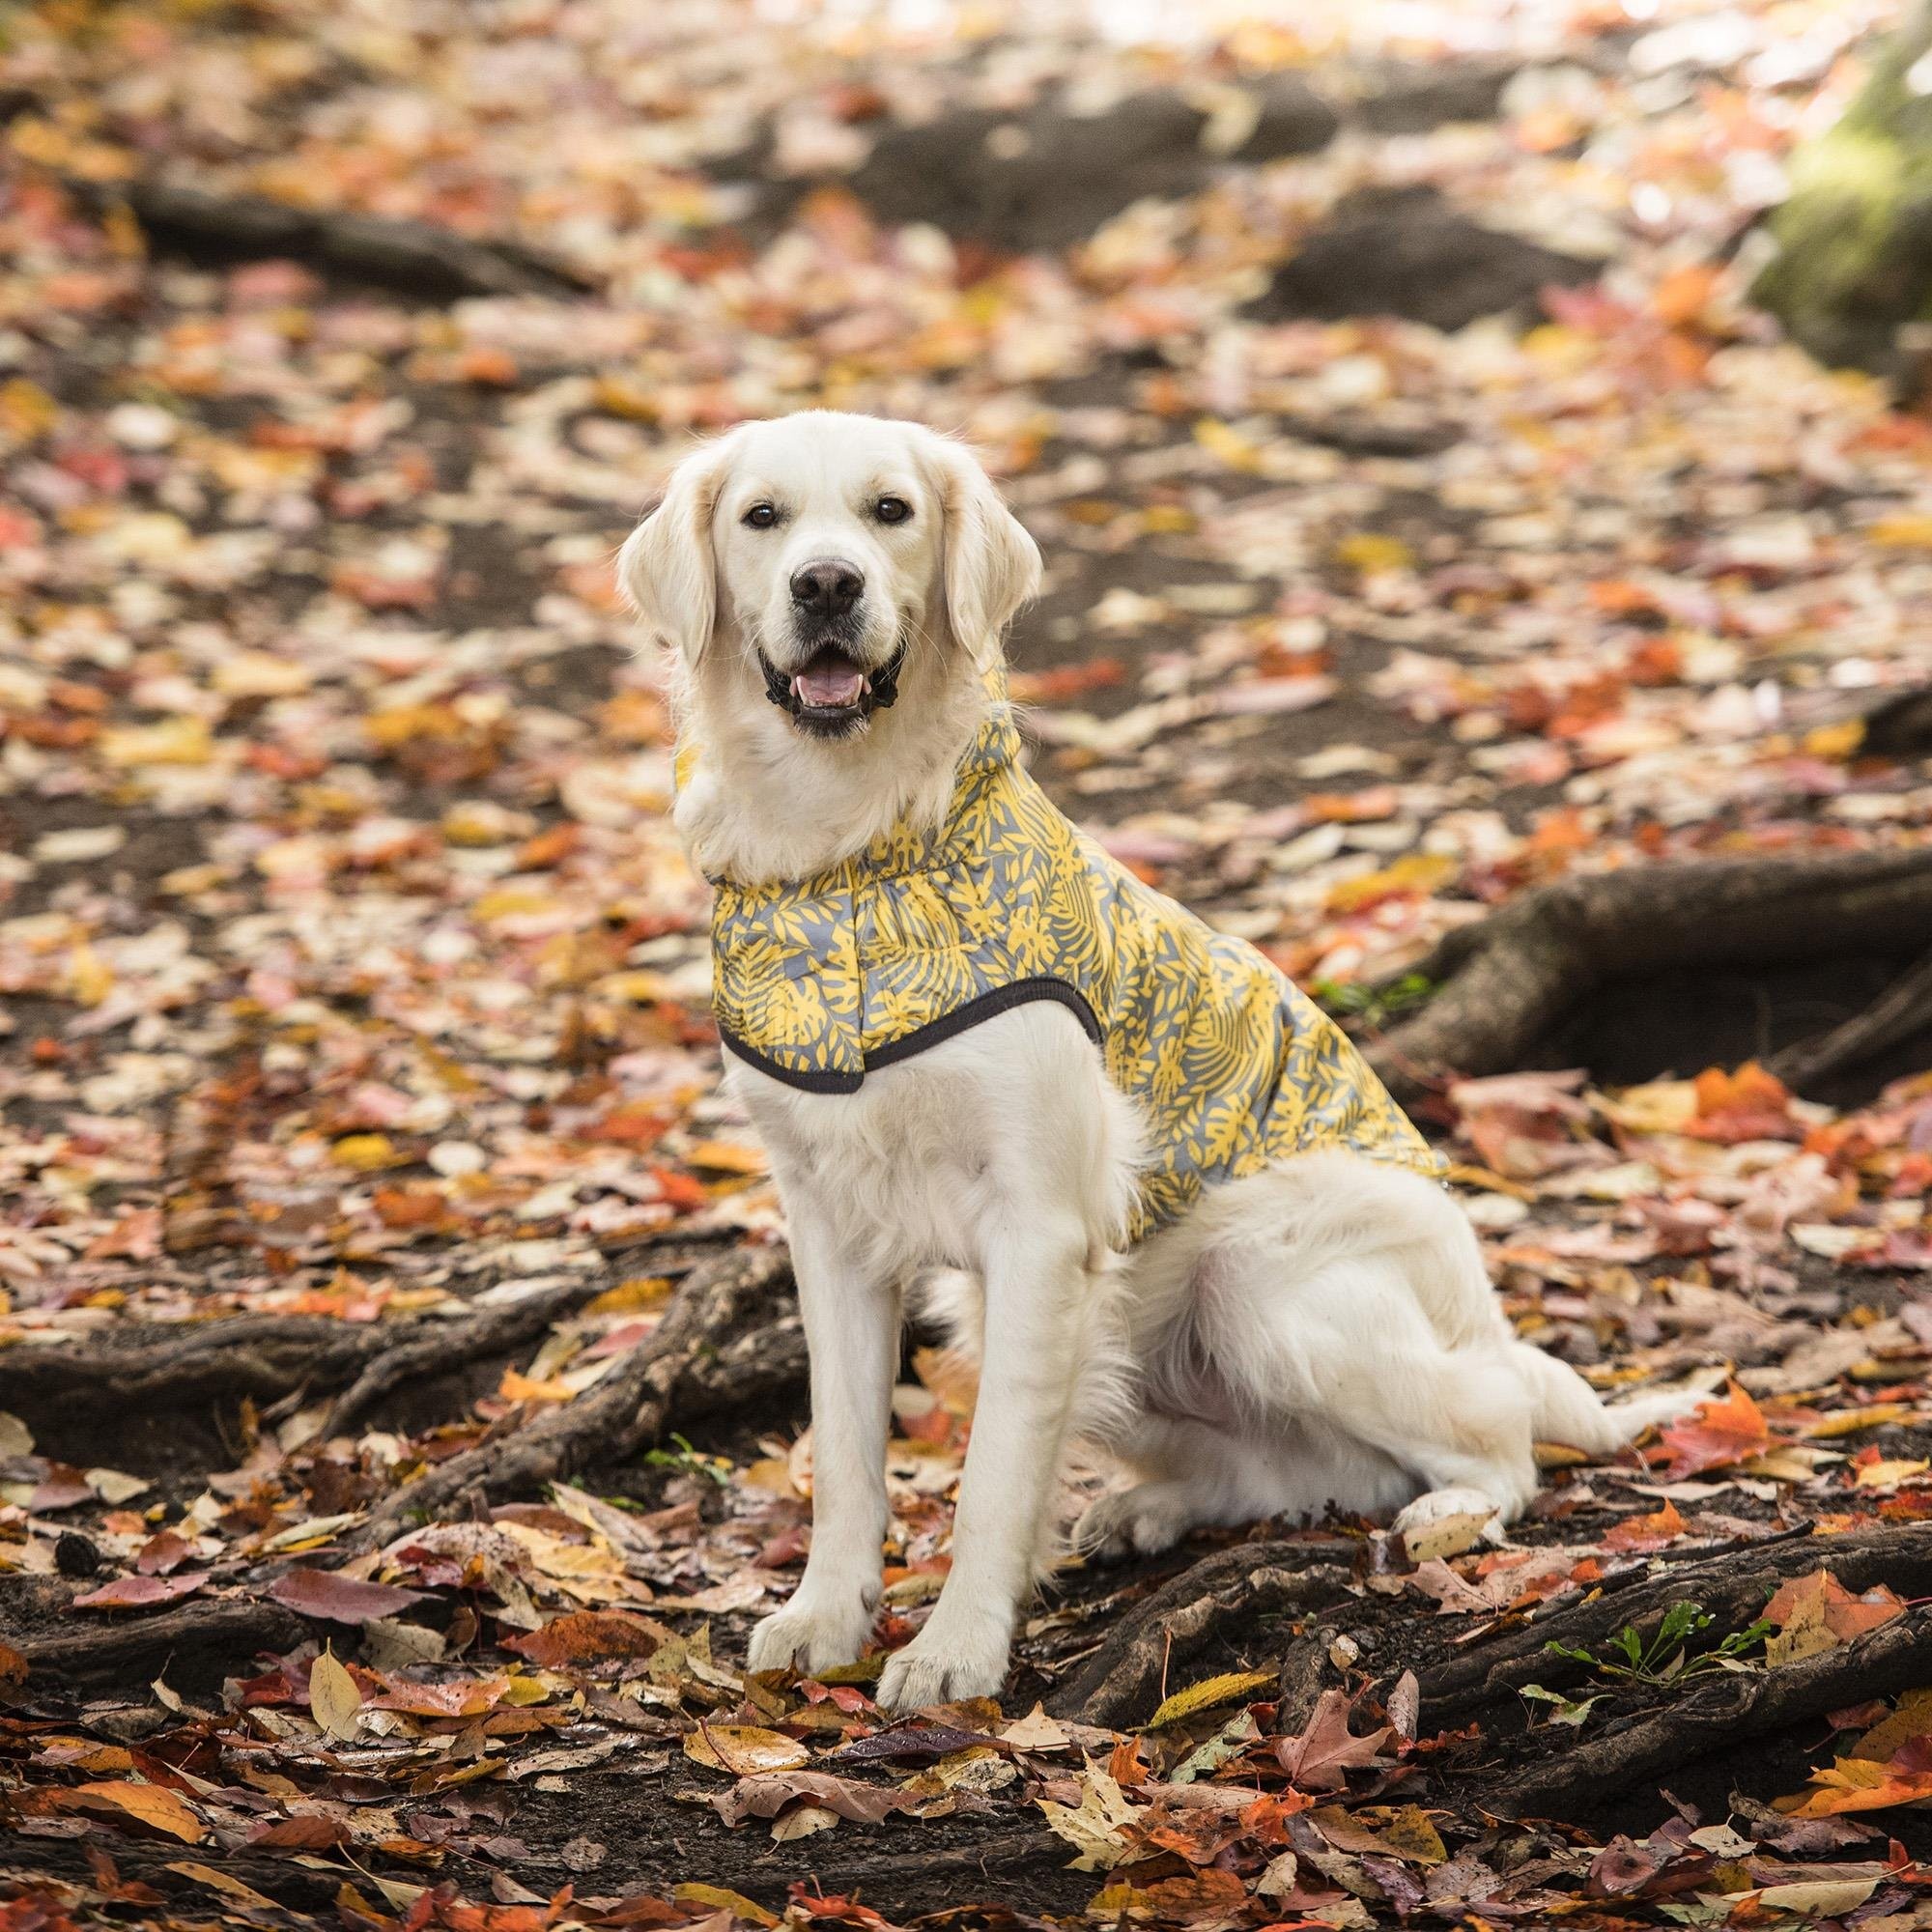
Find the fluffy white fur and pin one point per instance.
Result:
(1321, 1334)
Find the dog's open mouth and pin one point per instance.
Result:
(830, 683)
(830, 692)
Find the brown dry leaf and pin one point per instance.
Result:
(589, 1636)
(1405, 1834)
(767, 1795)
(1319, 1758)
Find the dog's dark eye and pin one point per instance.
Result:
(761, 516)
(891, 509)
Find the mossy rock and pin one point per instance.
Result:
(1852, 270)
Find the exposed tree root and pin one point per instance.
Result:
(1901, 1010)
(411, 257)
(1159, 1640)
(265, 1358)
(1722, 1713)
(435, 1347)
(1508, 978)
(1734, 1584)
(684, 1368)
(261, 1357)
(122, 1650)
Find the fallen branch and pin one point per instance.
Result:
(616, 1417)
(1508, 978)
(201, 1642)
(1162, 1639)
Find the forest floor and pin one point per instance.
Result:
(402, 1411)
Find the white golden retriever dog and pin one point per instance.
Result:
(1319, 1332)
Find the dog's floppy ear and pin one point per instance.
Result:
(666, 569)
(992, 565)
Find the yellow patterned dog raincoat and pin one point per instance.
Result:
(818, 982)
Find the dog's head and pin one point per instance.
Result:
(826, 551)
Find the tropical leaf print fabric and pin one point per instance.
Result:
(818, 980)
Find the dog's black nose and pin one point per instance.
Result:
(827, 588)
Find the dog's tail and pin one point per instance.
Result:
(1565, 1408)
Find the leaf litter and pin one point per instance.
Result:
(356, 979)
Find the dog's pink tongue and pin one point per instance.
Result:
(829, 689)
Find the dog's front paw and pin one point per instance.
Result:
(809, 1634)
(939, 1666)
(1142, 1520)
(1445, 1523)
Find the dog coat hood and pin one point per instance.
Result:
(819, 981)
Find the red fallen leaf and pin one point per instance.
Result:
(680, 1190)
(785, 1548)
(1747, 1105)
(1646, 1532)
(1730, 1428)
(1320, 1757)
(61, 1488)
(1065, 681)
(342, 1600)
(140, 1593)
(837, 1910)
(466, 1697)
(162, 1553)
(589, 1637)
(846, 1698)
(443, 1908)
(1815, 1613)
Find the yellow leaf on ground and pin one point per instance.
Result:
(1849, 1421)
(1906, 533)
(1226, 445)
(150, 1805)
(728, 1157)
(1369, 551)
(742, 1749)
(364, 1151)
(332, 1697)
(1405, 1834)
(721, 1900)
(1231, 1686)
(1095, 1826)
(628, 1298)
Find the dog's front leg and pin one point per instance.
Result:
(1037, 1289)
(852, 1332)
